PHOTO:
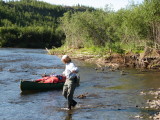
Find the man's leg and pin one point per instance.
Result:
(65, 90)
(71, 88)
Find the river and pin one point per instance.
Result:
(110, 95)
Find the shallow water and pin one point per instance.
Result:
(110, 95)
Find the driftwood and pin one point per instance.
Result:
(48, 51)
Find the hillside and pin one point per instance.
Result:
(25, 21)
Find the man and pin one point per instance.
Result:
(71, 80)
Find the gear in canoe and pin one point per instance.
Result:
(46, 83)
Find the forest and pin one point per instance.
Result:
(129, 29)
(32, 23)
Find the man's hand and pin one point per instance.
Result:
(74, 71)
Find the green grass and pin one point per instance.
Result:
(96, 51)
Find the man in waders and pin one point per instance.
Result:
(71, 80)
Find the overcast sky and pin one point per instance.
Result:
(115, 4)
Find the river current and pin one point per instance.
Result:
(109, 95)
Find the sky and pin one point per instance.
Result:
(115, 4)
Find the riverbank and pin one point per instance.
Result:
(148, 59)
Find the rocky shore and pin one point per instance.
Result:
(154, 103)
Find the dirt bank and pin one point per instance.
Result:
(149, 59)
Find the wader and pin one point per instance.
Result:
(68, 91)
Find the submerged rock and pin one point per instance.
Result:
(82, 96)
(138, 116)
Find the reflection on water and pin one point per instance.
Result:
(110, 95)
